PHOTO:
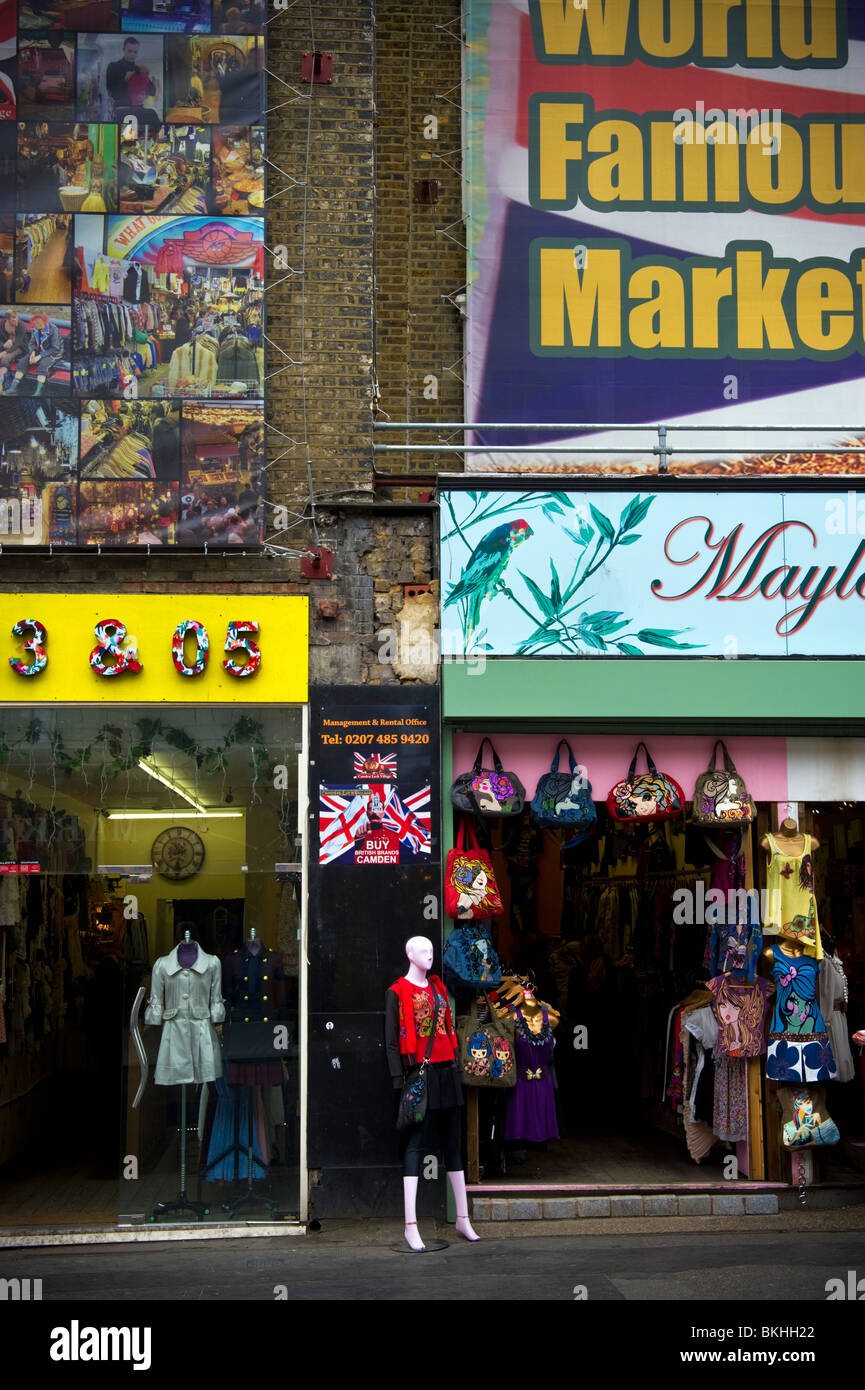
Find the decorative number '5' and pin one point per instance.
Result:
(40, 657)
(111, 634)
(236, 641)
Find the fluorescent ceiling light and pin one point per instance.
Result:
(172, 786)
(173, 815)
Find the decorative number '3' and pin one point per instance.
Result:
(111, 634)
(199, 631)
(236, 641)
(40, 657)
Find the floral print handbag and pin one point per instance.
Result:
(720, 796)
(489, 792)
(646, 796)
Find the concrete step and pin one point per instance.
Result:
(556, 1203)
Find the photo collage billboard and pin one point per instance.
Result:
(132, 273)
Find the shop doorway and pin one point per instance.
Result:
(616, 936)
(122, 832)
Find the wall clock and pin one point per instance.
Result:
(177, 853)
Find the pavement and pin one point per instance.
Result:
(704, 1259)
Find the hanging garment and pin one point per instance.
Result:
(833, 995)
(740, 1008)
(698, 1134)
(791, 909)
(799, 1046)
(228, 1142)
(730, 1117)
(531, 1114)
(187, 1001)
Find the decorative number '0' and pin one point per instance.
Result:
(111, 634)
(237, 641)
(40, 656)
(199, 631)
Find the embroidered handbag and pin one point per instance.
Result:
(565, 798)
(469, 960)
(647, 796)
(486, 1047)
(414, 1097)
(720, 796)
(489, 791)
(807, 1123)
(470, 882)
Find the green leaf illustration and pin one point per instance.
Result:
(540, 597)
(628, 649)
(634, 512)
(578, 540)
(592, 641)
(596, 620)
(541, 637)
(603, 523)
(555, 588)
(664, 637)
(586, 532)
(629, 540)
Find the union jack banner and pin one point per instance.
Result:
(406, 823)
(340, 820)
(386, 763)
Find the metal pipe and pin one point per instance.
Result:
(558, 425)
(571, 449)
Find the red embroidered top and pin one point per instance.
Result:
(416, 1006)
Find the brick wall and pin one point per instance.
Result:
(419, 334)
(365, 136)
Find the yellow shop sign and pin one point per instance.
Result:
(150, 648)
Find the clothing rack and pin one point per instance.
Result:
(632, 881)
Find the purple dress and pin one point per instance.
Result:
(531, 1104)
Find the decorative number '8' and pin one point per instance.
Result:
(236, 641)
(111, 634)
(199, 631)
(40, 656)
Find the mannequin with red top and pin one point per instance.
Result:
(411, 1004)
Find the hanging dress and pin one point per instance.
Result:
(791, 908)
(531, 1113)
(799, 1047)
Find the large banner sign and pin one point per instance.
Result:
(132, 260)
(643, 574)
(665, 220)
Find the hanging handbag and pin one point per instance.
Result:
(720, 796)
(486, 1048)
(414, 1098)
(647, 796)
(469, 960)
(807, 1123)
(565, 798)
(471, 891)
(489, 791)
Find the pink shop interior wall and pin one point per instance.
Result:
(606, 757)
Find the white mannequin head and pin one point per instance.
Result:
(419, 950)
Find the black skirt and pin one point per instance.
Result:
(445, 1086)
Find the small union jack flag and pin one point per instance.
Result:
(370, 763)
(340, 821)
(408, 826)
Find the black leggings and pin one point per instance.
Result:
(439, 1133)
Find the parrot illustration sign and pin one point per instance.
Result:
(627, 574)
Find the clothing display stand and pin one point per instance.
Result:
(250, 1195)
(181, 1202)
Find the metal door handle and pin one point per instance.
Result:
(139, 1045)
